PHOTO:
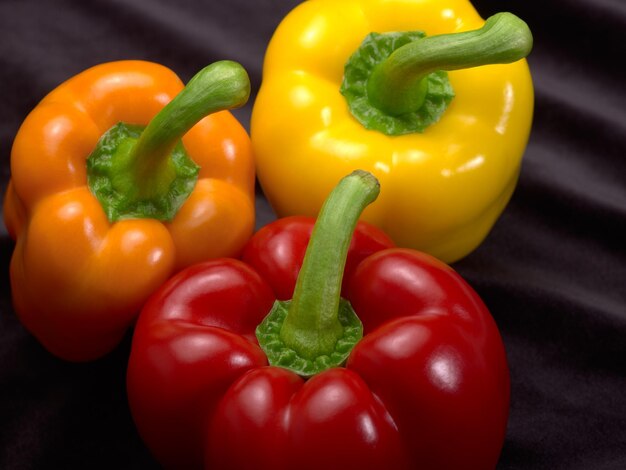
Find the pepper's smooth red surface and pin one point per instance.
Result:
(427, 387)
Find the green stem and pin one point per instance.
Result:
(312, 327)
(396, 85)
(137, 172)
(221, 85)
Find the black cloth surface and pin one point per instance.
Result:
(552, 271)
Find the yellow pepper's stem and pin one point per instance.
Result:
(397, 86)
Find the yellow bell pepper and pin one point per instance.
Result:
(446, 177)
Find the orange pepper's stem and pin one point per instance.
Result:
(146, 173)
(219, 86)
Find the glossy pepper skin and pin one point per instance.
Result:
(78, 280)
(443, 189)
(427, 387)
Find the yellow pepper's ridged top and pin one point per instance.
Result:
(442, 190)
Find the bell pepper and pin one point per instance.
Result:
(424, 94)
(407, 371)
(104, 208)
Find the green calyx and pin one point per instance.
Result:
(278, 354)
(432, 94)
(138, 172)
(112, 179)
(396, 83)
(317, 329)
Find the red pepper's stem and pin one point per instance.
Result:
(312, 327)
(396, 85)
(317, 329)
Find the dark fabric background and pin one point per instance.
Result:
(553, 271)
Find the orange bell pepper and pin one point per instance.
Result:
(78, 276)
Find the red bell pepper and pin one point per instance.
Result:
(426, 386)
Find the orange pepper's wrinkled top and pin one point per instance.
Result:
(78, 280)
